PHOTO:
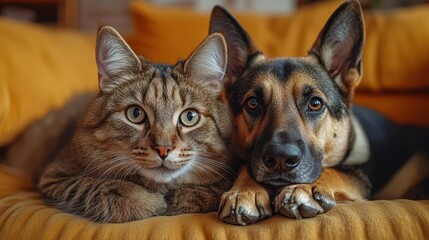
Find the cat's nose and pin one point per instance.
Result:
(163, 150)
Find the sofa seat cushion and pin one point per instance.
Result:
(23, 215)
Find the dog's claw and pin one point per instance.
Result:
(325, 202)
(244, 207)
(307, 211)
(303, 201)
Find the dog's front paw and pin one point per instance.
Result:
(244, 207)
(303, 201)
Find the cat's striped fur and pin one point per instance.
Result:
(139, 152)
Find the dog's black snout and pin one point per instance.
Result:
(281, 157)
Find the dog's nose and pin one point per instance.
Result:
(281, 157)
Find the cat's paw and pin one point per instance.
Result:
(303, 201)
(197, 199)
(124, 202)
(244, 207)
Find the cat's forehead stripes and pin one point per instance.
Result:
(162, 89)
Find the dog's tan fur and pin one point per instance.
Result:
(285, 83)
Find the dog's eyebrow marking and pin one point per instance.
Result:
(307, 90)
(256, 92)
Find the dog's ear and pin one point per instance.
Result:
(240, 47)
(339, 46)
(207, 64)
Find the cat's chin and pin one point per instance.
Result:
(162, 174)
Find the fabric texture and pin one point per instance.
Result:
(23, 215)
(40, 68)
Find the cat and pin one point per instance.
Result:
(154, 141)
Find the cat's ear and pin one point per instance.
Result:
(241, 49)
(114, 58)
(207, 64)
(339, 46)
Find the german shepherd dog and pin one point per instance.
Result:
(305, 147)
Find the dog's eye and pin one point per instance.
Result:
(252, 103)
(315, 104)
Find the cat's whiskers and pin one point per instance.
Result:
(100, 164)
(133, 167)
(117, 161)
(210, 166)
(213, 155)
(207, 171)
(222, 166)
(106, 173)
(203, 162)
(102, 153)
(209, 158)
(119, 170)
(148, 181)
(92, 160)
(196, 176)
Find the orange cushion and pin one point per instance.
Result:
(168, 34)
(396, 56)
(23, 215)
(40, 68)
(403, 108)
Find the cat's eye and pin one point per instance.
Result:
(189, 117)
(252, 103)
(315, 104)
(136, 114)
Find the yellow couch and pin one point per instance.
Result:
(41, 68)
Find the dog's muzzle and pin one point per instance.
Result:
(281, 157)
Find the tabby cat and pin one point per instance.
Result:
(155, 140)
